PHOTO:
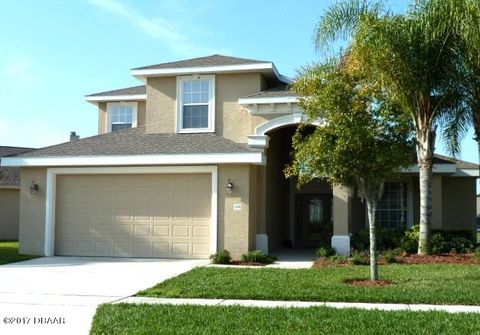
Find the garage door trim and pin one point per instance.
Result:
(51, 193)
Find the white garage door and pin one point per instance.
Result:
(157, 215)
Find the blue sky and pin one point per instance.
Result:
(53, 52)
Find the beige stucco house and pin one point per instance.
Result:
(10, 195)
(192, 161)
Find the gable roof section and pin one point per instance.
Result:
(10, 176)
(209, 64)
(440, 159)
(128, 93)
(207, 61)
(134, 146)
(279, 94)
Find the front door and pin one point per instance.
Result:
(313, 220)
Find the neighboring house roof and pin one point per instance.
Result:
(136, 141)
(10, 176)
(213, 60)
(440, 159)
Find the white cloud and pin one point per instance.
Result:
(172, 34)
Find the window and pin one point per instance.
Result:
(392, 208)
(195, 104)
(121, 115)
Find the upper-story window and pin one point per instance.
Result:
(196, 104)
(121, 115)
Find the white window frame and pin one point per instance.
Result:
(110, 105)
(211, 104)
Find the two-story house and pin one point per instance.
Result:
(191, 162)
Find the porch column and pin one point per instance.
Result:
(342, 202)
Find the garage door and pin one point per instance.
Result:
(158, 215)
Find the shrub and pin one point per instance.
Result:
(338, 259)
(325, 252)
(476, 254)
(221, 257)
(359, 258)
(257, 256)
(410, 239)
(387, 238)
(390, 256)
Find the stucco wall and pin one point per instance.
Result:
(9, 211)
(161, 105)
(234, 226)
(32, 211)
(459, 203)
(102, 115)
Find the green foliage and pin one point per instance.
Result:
(221, 257)
(338, 259)
(325, 252)
(359, 258)
(257, 256)
(410, 239)
(386, 239)
(476, 254)
(390, 256)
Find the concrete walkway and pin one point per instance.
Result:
(293, 259)
(302, 304)
(68, 289)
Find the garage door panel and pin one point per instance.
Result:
(134, 215)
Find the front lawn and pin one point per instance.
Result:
(9, 253)
(169, 319)
(430, 284)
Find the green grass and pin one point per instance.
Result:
(9, 253)
(432, 284)
(168, 319)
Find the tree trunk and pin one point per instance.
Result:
(425, 149)
(371, 208)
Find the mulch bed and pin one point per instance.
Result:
(247, 263)
(410, 259)
(367, 282)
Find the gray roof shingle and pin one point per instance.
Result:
(135, 90)
(136, 142)
(275, 92)
(10, 176)
(213, 60)
(440, 159)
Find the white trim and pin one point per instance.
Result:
(437, 168)
(251, 157)
(108, 124)
(9, 187)
(211, 104)
(203, 69)
(51, 192)
(258, 141)
(466, 173)
(282, 121)
(116, 98)
(269, 100)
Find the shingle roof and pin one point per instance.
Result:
(275, 92)
(135, 90)
(440, 159)
(136, 142)
(213, 60)
(10, 176)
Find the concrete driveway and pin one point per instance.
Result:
(60, 294)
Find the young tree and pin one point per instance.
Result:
(361, 142)
(415, 65)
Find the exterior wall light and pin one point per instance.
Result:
(34, 188)
(229, 186)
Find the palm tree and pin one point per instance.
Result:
(413, 63)
(463, 19)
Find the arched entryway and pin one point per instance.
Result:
(294, 218)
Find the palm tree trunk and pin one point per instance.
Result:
(425, 148)
(371, 208)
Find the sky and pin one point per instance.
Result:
(54, 52)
